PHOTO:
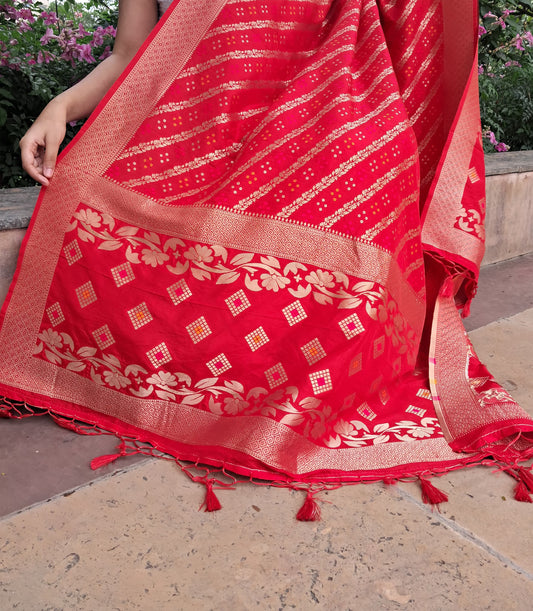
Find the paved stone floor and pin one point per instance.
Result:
(131, 536)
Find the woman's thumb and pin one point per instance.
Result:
(49, 158)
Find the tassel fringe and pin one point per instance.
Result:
(431, 495)
(211, 502)
(521, 493)
(526, 477)
(107, 459)
(309, 511)
(102, 461)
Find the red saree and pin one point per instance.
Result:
(254, 255)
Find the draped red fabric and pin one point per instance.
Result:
(255, 253)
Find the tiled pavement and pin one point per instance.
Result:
(130, 535)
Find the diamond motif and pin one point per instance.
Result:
(86, 294)
(384, 396)
(294, 313)
(55, 314)
(159, 355)
(72, 252)
(379, 346)
(276, 375)
(356, 364)
(122, 274)
(348, 401)
(219, 364)
(103, 337)
(140, 315)
(179, 292)
(321, 381)
(351, 326)
(313, 351)
(256, 339)
(238, 302)
(198, 330)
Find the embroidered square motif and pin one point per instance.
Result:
(365, 411)
(351, 326)
(122, 274)
(424, 393)
(379, 346)
(159, 355)
(321, 381)
(86, 294)
(238, 302)
(103, 337)
(473, 175)
(219, 364)
(198, 330)
(294, 313)
(313, 351)
(256, 339)
(417, 411)
(55, 314)
(140, 315)
(72, 252)
(356, 364)
(179, 292)
(276, 375)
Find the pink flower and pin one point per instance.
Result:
(518, 43)
(49, 18)
(482, 30)
(24, 27)
(48, 35)
(85, 53)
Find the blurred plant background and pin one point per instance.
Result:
(48, 45)
(45, 47)
(506, 74)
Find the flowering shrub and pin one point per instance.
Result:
(43, 51)
(506, 74)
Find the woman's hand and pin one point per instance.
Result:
(40, 145)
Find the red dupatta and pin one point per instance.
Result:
(253, 255)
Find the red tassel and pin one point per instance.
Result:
(102, 461)
(310, 511)
(526, 477)
(211, 502)
(466, 309)
(390, 481)
(430, 494)
(521, 493)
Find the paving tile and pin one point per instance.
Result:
(481, 500)
(505, 289)
(39, 459)
(137, 541)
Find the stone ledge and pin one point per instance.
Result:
(514, 162)
(16, 207)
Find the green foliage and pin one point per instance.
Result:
(506, 74)
(43, 51)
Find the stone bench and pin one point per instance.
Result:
(509, 223)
